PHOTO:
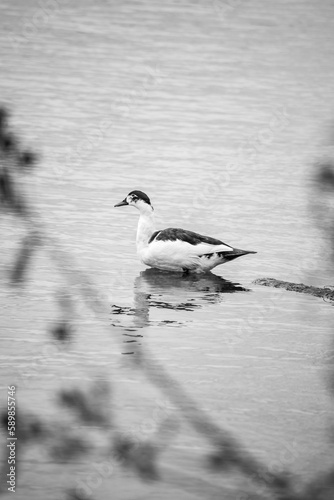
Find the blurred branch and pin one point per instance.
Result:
(229, 451)
(28, 245)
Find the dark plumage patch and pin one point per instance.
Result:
(228, 254)
(174, 234)
(236, 252)
(141, 195)
(208, 255)
(153, 236)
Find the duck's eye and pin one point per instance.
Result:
(134, 198)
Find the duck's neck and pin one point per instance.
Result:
(145, 229)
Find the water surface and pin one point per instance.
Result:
(218, 115)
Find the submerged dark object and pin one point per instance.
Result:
(327, 293)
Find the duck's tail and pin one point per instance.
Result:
(234, 254)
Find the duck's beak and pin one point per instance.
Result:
(121, 203)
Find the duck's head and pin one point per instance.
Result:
(137, 199)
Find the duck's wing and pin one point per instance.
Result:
(183, 235)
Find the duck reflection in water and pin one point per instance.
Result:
(156, 289)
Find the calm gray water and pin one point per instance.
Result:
(218, 114)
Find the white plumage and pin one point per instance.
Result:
(175, 249)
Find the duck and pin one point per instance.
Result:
(175, 249)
